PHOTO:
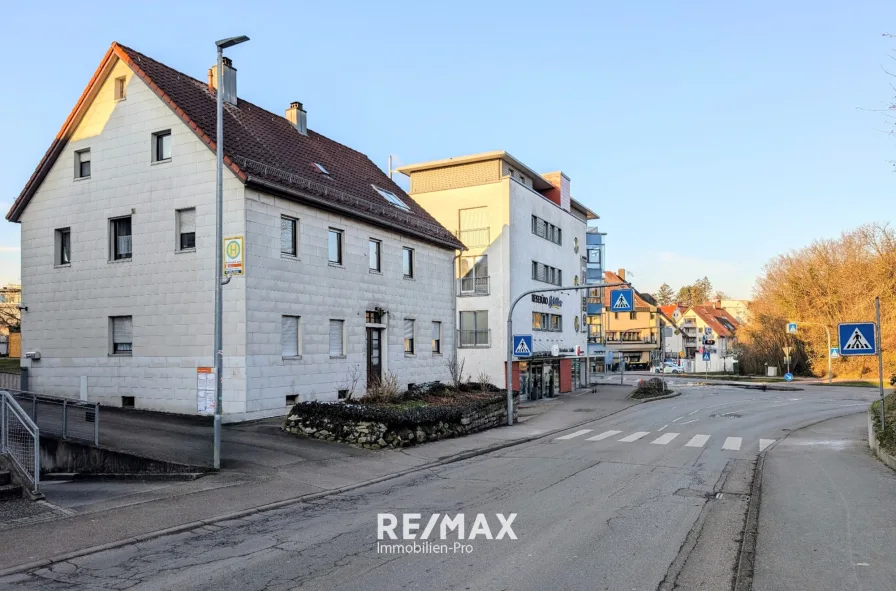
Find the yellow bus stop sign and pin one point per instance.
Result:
(233, 255)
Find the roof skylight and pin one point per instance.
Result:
(392, 198)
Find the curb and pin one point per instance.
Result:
(643, 400)
(287, 502)
(876, 449)
(144, 476)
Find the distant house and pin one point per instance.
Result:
(342, 277)
(632, 335)
(10, 315)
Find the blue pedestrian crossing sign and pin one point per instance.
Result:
(835, 352)
(522, 345)
(857, 338)
(706, 356)
(791, 328)
(622, 300)
(788, 377)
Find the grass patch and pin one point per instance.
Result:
(886, 438)
(10, 365)
(853, 383)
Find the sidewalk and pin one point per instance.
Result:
(260, 466)
(824, 516)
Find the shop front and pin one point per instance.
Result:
(545, 375)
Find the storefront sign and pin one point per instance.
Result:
(551, 301)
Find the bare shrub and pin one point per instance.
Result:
(456, 370)
(383, 390)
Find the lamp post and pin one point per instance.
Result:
(219, 239)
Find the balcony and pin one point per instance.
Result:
(474, 339)
(473, 286)
(474, 237)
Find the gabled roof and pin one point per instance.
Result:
(668, 310)
(264, 150)
(717, 319)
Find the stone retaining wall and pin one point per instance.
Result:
(875, 446)
(378, 435)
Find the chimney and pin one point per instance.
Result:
(560, 194)
(621, 273)
(296, 115)
(229, 87)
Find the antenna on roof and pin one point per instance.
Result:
(391, 170)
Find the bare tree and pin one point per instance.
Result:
(456, 370)
(351, 381)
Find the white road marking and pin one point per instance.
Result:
(691, 421)
(576, 434)
(862, 564)
(634, 436)
(665, 438)
(603, 435)
(697, 441)
(663, 427)
(695, 412)
(794, 399)
(732, 443)
(764, 443)
(678, 419)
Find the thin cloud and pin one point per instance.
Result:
(9, 249)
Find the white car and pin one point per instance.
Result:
(668, 367)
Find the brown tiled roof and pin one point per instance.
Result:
(265, 150)
(717, 319)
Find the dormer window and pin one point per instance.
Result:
(392, 198)
(321, 169)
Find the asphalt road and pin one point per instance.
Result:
(649, 498)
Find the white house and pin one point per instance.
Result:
(344, 277)
(523, 231)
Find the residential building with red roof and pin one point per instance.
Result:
(635, 336)
(341, 273)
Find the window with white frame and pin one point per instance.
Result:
(407, 262)
(409, 326)
(374, 262)
(120, 238)
(289, 236)
(474, 275)
(161, 146)
(63, 246)
(82, 164)
(474, 330)
(290, 336)
(436, 337)
(186, 229)
(122, 335)
(337, 338)
(334, 246)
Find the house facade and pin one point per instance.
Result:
(632, 336)
(593, 304)
(713, 330)
(523, 231)
(337, 276)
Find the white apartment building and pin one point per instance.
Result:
(343, 276)
(523, 231)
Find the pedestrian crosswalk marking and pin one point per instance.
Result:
(697, 441)
(665, 438)
(732, 443)
(634, 436)
(603, 435)
(764, 443)
(576, 434)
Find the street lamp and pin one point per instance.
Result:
(219, 239)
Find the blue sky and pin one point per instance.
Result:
(709, 138)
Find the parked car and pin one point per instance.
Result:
(668, 367)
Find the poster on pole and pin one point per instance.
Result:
(205, 390)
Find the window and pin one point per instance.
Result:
(632, 315)
(161, 146)
(409, 336)
(290, 336)
(321, 169)
(538, 321)
(474, 275)
(407, 262)
(122, 335)
(559, 277)
(615, 315)
(337, 338)
(392, 198)
(373, 317)
(474, 329)
(546, 230)
(436, 337)
(186, 229)
(334, 246)
(121, 238)
(63, 246)
(375, 251)
(288, 236)
(82, 164)
(556, 322)
(594, 255)
(546, 273)
(121, 84)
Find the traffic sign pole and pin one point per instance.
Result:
(880, 362)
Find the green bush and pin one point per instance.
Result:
(886, 437)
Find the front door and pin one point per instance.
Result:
(374, 355)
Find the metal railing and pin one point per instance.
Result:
(61, 417)
(467, 339)
(474, 286)
(20, 439)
